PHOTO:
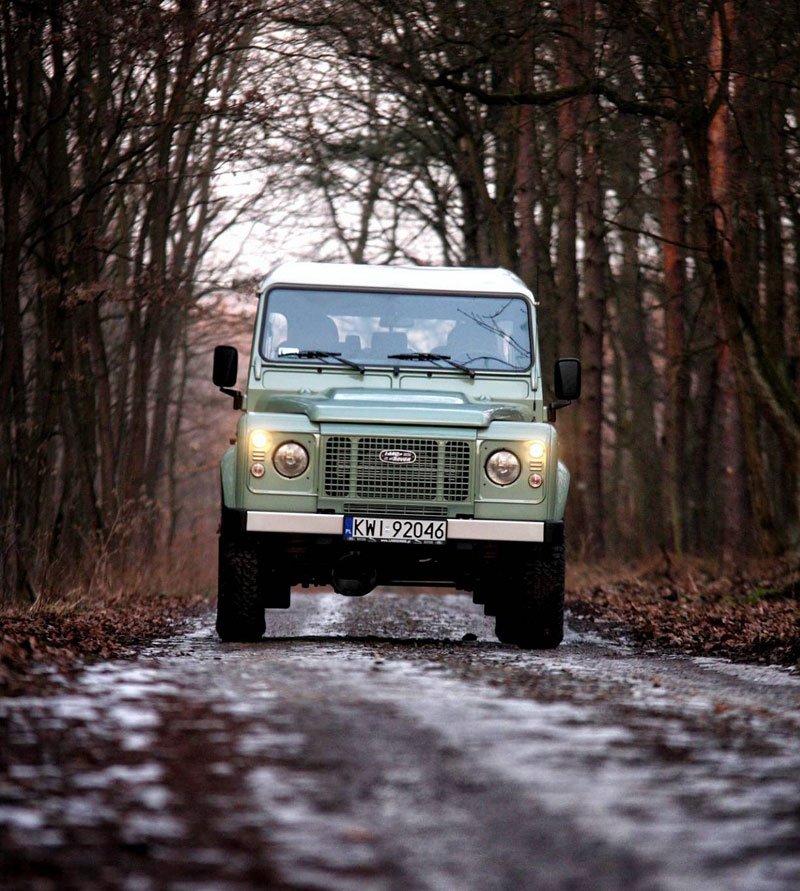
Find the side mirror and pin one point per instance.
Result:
(567, 379)
(226, 366)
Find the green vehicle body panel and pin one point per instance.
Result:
(413, 407)
(227, 472)
(562, 490)
(307, 405)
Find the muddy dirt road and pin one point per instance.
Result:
(364, 745)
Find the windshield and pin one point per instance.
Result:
(480, 332)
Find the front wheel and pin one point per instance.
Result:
(240, 608)
(530, 612)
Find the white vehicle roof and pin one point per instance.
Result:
(447, 279)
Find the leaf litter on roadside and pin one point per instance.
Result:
(751, 614)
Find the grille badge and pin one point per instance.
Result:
(397, 456)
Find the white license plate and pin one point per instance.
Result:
(388, 529)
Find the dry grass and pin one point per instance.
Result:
(117, 607)
(116, 574)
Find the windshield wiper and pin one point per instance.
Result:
(327, 354)
(433, 357)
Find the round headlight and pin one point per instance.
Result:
(503, 467)
(290, 459)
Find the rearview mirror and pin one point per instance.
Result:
(226, 366)
(568, 379)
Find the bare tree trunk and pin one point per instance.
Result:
(12, 371)
(594, 287)
(786, 464)
(720, 233)
(673, 231)
(472, 225)
(718, 223)
(703, 501)
(534, 256)
(621, 534)
(642, 441)
(567, 263)
(526, 197)
(492, 240)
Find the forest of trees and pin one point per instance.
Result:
(636, 162)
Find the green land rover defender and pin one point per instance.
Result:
(394, 432)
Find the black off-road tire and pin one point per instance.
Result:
(530, 612)
(240, 609)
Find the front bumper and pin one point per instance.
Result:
(535, 532)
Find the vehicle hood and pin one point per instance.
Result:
(380, 406)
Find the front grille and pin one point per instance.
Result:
(354, 469)
(337, 466)
(455, 479)
(374, 479)
(370, 509)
